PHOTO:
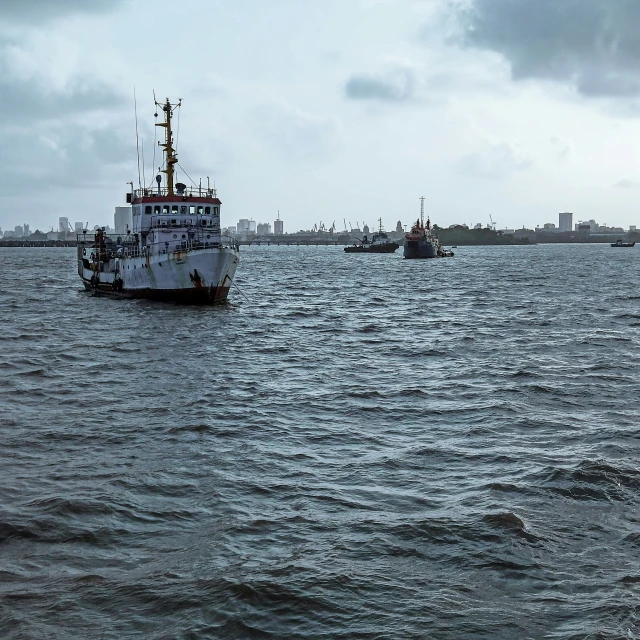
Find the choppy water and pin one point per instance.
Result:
(367, 448)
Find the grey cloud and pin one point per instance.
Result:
(39, 11)
(562, 147)
(591, 44)
(494, 161)
(65, 156)
(31, 99)
(626, 184)
(396, 86)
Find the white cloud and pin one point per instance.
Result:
(494, 161)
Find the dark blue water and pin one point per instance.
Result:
(367, 447)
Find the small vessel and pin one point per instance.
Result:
(379, 243)
(619, 243)
(174, 252)
(422, 241)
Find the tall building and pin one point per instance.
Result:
(18, 231)
(263, 229)
(78, 227)
(63, 225)
(26, 230)
(246, 226)
(123, 220)
(278, 226)
(566, 221)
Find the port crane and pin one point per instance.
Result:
(493, 224)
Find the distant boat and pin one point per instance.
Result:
(422, 241)
(619, 243)
(379, 243)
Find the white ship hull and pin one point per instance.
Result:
(200, 276)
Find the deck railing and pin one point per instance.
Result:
(128, 250)
(159, 192)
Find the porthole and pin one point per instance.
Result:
(183, 236)
(175, 235)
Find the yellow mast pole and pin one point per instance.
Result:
(170, 154)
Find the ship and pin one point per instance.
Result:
(174, 251)
(422, 241)
(379, 243)
(619, 243)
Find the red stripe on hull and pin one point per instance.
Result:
(197, 295)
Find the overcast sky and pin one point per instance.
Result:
(327, 109)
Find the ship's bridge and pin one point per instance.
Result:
(160, 209)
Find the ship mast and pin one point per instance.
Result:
(422, 211)
(170, 154)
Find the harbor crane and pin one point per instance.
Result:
(493, 224)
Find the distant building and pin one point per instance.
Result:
(549, 227)
(592, 224)
(246, 226)
(263, 229)
(565, 222)
(78, 227)
(278, 226)
(53, 235)
(26, 230)
(18, 231)
(63, 225)
(123, 220)
(399, 228)
(632, 227)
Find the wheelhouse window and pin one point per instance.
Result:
(215, 211)
(207, 210)
(192, 209)
(156, 209)
(174, 210)
(165, 208)
(147, 209)
(200, 209)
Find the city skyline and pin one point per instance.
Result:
(122, 221)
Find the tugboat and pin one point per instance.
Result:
(174, 252)
(379, 243)
(422, 241)
(619, 243)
